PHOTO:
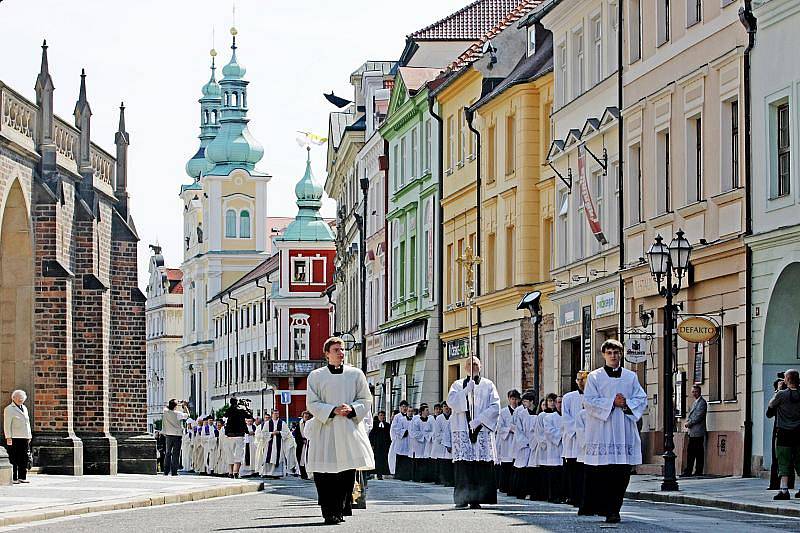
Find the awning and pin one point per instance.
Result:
(399, 353)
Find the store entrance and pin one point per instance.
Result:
(570, 363)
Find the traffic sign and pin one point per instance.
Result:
(286, 398)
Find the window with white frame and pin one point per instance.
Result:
(462, 136)
(613, 37)
(429, 250)
(244, 224)
(300, 336)
(395, 167)
(663, 173)
(597, 49)
(783, 150)
(427, 148)
(729, 145)
(561, 236)
(230, 224)
(491, 154)
(561, 79)
(578, 63)
(511, 144)
(404, 169)
(694, 12)
(634, 192)
(531, 40)
(694, 159)
(635, 30)
(300, 273)
(451, 143)
(662, 20)
(395, 260)
(414, 154)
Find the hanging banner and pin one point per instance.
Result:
(697, 329)
(586, 196)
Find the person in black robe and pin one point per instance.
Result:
(380, 440)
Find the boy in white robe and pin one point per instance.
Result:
(551, 460)
(187, 447)
(421, 442)
(523, 422)
(572, 405)
(247, 468)
(289, 452)
(274, 431)
(614, 402)
(339, 398)
(210, 447)
(442, 444)
(222, 466)
(505, 442)
(303, 459)
(476, 409)
(400, 453)
(198, 451)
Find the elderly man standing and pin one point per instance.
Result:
(696, 424)
(17, 429)
(338, 396)
(476, 410)
(172, 430)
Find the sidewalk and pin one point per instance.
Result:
(732, 493)
(49, 496)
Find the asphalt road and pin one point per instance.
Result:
(290, 505)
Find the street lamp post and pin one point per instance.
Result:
(532, 302)
(666, 262)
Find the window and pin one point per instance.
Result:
(783, 149)
(511, 145)
(244, 224)
(511, 256)
(412, 265)
(531, 39)
(460, 272)
(462, 137)
(663, 191)
(635, 29)
(300, 332)
(613, 216)
(613, 36)
(561, 79)
(395, 260)
(663, 21)
(598, 189)
(428, 243)
(634, 184)
(395, 168)
(414, 154)
(579, 231)
(561, 237)
(299, 270)
(729, 363)
(694, 160)
(449, 273)
(247, 375)
(491, 148)
(402, 272)
(578, 66)
(729, 145)
(230, 224)
(427, 148)
(597, 50)
(491, 266)
(451, 143)
(694, 12)
(404, 169)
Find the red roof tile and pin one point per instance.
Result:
(177, 288)
(174, 274)
(468, 23)
(475, 50)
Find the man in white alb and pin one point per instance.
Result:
(400, 453)
(572, 405)
(505, 442)
(273, 431)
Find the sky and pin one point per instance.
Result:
(154, 56)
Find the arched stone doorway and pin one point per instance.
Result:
(781, 347)
(16, 297)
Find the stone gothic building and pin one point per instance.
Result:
(72, 321)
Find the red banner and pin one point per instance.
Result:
(586, 196)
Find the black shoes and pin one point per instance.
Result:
(782, 496)
(461, 506)
(613, 518)
(332, 520)
(474, 506)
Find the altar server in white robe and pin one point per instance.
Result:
(248, 463)
(400, 454)
(572, 405)
(198, 450)
(523, 422)
(187, 446)
(274, 431)
(442, 444)
(421, 432)
(551, 460)
(260, 441)
(289, 452)
(222, 467)
(614, 402)
(476, 409)
(303, 455)
(210, 446)
(505, 442)
(338, 396)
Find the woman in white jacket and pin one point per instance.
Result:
(17, 429)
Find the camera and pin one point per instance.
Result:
(243, 402)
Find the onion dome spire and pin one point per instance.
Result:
(210, 104)
(308, 225)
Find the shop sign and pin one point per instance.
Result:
(587, 336)
(697, 329)
(604, 304)
(635, 349)
(569, 313)
(456, 349)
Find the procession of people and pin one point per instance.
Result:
(576, 449)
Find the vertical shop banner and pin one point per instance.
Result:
(586, 196)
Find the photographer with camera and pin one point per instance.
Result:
(173, 434)
(235, 428)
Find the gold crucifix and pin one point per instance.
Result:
(468, 261)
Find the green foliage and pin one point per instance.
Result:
(157, 424)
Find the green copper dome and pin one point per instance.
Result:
(210, 104)
(233, 146)
(308, 225)
(211, 89)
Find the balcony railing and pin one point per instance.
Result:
(284, 369)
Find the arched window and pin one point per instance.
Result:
(235, 99)
(214, 116)
(225, 98)
(205, 117)
(244, 99)
(230, 223)
(244, 225)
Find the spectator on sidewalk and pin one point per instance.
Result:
(696, 424)
(161, 447)
(380, 439)
(173, 434)
(235, 428)
(17, 429)
(785, 407)
(774, 478)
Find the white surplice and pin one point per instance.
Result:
(505, 436)
(250, 448)
(209, 449)
(339, 443)
(271, 462)
(223, 455)
(421, 432)
(552, 431)
(289, 453)
(399, 432)
(611, 433)
(441, 438)
(571, 405)
(523, 421)
(187, 449)
(484, 404)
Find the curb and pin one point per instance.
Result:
(25, 517)
(718, 504)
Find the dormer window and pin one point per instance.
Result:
(531, 40)
(300, 273)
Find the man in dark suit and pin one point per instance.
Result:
(696, 426)
(380, 440)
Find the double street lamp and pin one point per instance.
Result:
(668, 263)
(532, 302)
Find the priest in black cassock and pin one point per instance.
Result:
(476, 410)
(338, 396)
(380, 439)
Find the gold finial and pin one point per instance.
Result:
(213, 52)
(234, 31)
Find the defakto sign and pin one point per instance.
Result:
(698, 329)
